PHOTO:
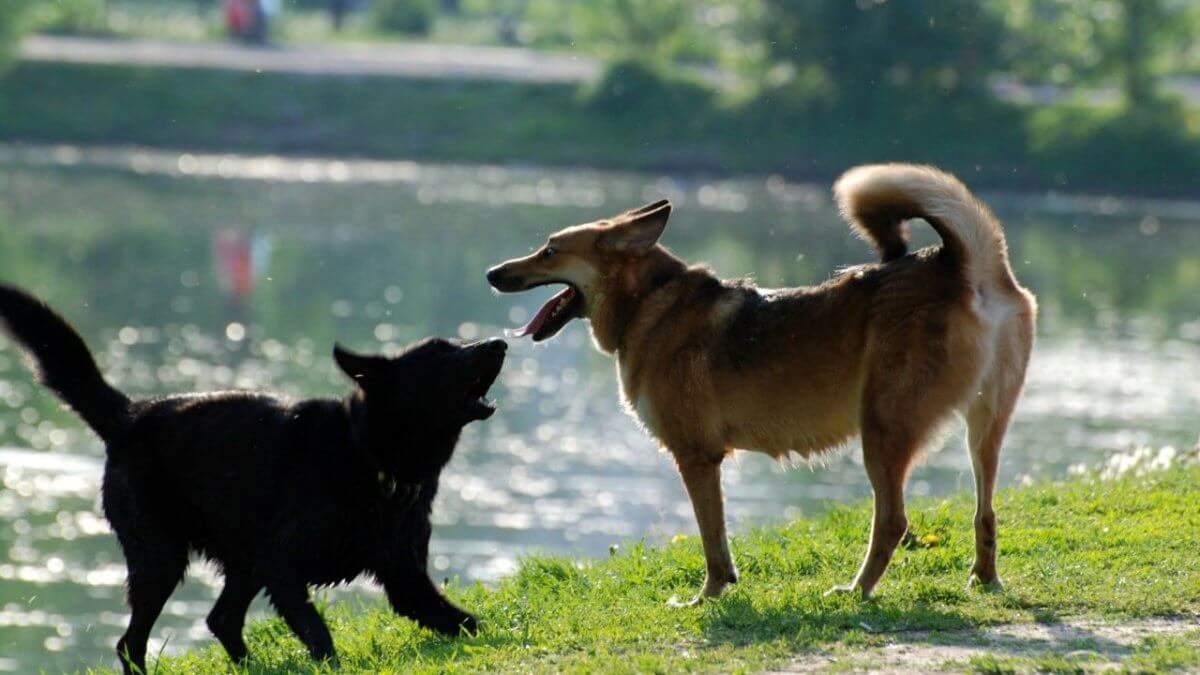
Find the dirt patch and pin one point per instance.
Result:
(1103, 643)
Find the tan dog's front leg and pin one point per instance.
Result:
(702, 478)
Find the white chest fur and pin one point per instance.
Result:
(639, 406)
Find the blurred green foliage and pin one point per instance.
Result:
(12, 22)
(1112, 147)
(647, 30)
(70, 17)
(860, 52)
(897, 53)
(407, 17)
(794, 86)
(1075, 42)
(635, 88)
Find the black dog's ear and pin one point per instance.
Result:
(357, 366)
(637, 231)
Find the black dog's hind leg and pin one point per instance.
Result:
(291, 600)
(228, 616)
(154, 571)
(414, 596)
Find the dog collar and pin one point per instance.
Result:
(405, 493)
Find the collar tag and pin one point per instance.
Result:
(387, 483)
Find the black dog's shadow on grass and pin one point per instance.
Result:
(264, 638)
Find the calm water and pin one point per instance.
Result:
(192, 272)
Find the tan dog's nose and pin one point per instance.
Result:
(504, 281)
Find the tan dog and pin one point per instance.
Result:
(888, 351)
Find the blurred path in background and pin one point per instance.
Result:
(388, 60)
(448, 61)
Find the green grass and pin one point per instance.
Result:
(1112, 550)
(631, 120)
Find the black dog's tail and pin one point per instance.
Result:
(64, 363)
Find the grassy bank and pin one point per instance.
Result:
(630, 120)
(1113, 551)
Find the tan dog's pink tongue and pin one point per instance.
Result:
(535, 324)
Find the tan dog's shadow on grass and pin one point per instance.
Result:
(735, 618)
(902, 636)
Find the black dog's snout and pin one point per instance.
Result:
(494, 345)
(490, 346)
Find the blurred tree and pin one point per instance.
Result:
(337, 12)
(410, 17)
(871, 50)
(1129, 42)
(660, 31)
(70, 17)
(640, 28)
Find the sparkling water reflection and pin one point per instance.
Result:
(203, 272)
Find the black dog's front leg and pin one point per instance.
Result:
(291, 600)
(229, 614)
(413, 595)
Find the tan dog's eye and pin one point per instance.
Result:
(548, 251)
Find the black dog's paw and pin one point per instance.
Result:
(469, 624)
(457, 624)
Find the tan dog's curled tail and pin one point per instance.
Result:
(877, 199)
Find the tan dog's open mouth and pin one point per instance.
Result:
(553, 316)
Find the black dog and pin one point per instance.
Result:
(281, 494)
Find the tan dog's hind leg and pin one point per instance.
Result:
(702, 478)
(985, 432)
(988, 418)
(887, 459)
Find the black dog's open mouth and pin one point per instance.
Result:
(478, 404)
(556, 313)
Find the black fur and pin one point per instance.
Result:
(281, 494)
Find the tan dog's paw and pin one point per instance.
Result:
(976, 582)
(848, 589)
(711, 591)
(676, 603)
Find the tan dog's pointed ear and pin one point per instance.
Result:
(637, 231)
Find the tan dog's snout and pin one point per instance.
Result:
(518, 274)
(504, 279)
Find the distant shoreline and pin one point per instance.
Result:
(315, 169)
(516, 123)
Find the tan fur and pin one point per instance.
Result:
(889, 352)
